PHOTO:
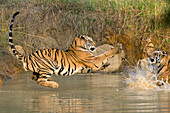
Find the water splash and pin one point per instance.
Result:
(145, 78)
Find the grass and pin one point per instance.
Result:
(62, 20)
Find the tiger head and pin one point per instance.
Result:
(84, 43)
(158, 57)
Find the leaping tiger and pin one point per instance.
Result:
(76, 58)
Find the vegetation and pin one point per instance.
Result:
(55, 23)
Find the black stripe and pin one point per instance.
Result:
(73, 56)
(39, 60)
(37, 53)
(66, 54)
(12, 46)
(73, 64)
(72, 71)
(24, 59)
(45, 52)
(72, 61)
(102, 63)
(40, 52)
(82, 47)
(20, 57)
(27, 62)
(95, 65)
(160, 69)
(34, 66)
(10, 40)
(56, 53)
(50, 63)
(75, 43)
(44, 70)
(88, 71)
(62, 54)
(68, 69)
(46, 60)
(43, 74)
(16, 13)
(37, 64)
(82, 69)
(64, 73)
(49, 52)
(61, 69)
(31, 63)
(43, 64)
(10, 33)
(159, 66)
(14, 51)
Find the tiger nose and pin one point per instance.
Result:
(152, 60)
(92, 48)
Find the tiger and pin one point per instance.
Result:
(161, 62)
(78, 57)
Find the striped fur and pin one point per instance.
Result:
(161, 60)
(46, 62)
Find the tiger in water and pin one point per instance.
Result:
(161, 61)
(75, 59)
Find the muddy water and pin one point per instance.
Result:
(80, 93)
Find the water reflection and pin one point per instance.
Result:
(83, 94)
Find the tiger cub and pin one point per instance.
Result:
(161, 61)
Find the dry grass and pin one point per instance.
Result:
(55, 23)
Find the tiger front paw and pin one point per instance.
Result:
(117, 48)
(51, 84)
(119, 45)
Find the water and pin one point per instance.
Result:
(92, 93)
(145, 78)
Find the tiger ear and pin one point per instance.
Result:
(82, 37)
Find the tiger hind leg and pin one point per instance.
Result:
(165, 77)
(36, 75)
(44, 80)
